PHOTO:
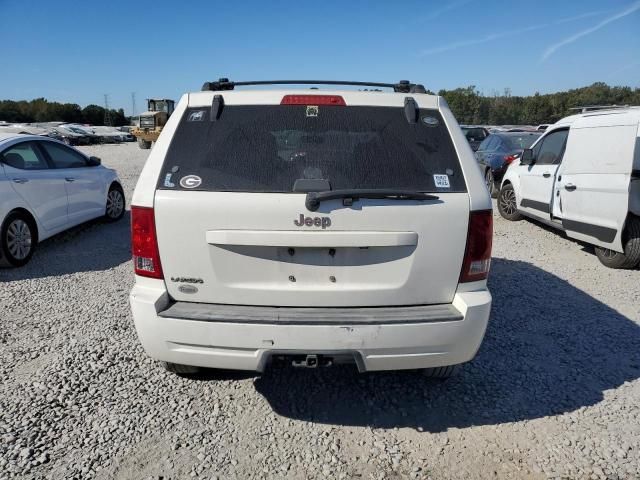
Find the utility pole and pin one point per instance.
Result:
(133, 104)
(107, 113)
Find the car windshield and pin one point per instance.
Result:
(267, 148)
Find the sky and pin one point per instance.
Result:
(72, 51)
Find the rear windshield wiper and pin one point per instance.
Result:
(348, 196)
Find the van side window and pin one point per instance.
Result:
(552, 148)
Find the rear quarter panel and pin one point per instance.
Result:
(478, 195)
(144, 192)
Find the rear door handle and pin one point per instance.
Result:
(570, 187)
(20, 180)
(69, 179)
(546, 174)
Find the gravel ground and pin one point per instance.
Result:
(553, 392)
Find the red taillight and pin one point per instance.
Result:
(510, 158)
(313, 100)
(144, 243)
(477, 256)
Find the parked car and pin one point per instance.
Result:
(474, 135)
(317, 226)
(74, 136)
(87, 131)
(126, 130)
(498, 151)
(109, 134)
(47, 187)
(583, 177)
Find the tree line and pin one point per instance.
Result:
(471, 107)
(42, 110)
(468, 105)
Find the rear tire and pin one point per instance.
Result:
(442, 372)
(491, 184)
(507, 204)
(630, 244)
(144, 144)
(180, 369)
(18, 240)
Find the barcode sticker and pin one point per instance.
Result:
(441, 181)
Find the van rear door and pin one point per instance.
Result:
(233, 227)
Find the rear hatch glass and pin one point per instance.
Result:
(258, 148)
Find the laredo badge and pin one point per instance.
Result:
(190, 181)
(441, 181)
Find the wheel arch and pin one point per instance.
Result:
(117, 184)
(30, 216)
(630, 216)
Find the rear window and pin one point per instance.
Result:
(266, 148)
(522, 141)
(474, 133)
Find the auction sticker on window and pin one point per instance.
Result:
(441, 181)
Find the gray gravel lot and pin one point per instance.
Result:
(553, 392)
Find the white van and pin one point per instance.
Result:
(314, 226)
(583, 176)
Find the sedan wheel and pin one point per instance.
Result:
(115, 204)
(18, 240)
(507, 205)
(488, 180)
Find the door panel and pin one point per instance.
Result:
(41, 188)
(87, 198)
(537, 180)
(84, 185)
(537, 185)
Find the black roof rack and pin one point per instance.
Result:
(403, 86)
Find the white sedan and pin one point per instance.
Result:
(47, 187)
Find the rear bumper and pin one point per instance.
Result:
(235, 340)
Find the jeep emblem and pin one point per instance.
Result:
(303, 221)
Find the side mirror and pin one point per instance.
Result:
(527, 157)
(94, 161)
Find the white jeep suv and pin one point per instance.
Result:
(315, 226)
